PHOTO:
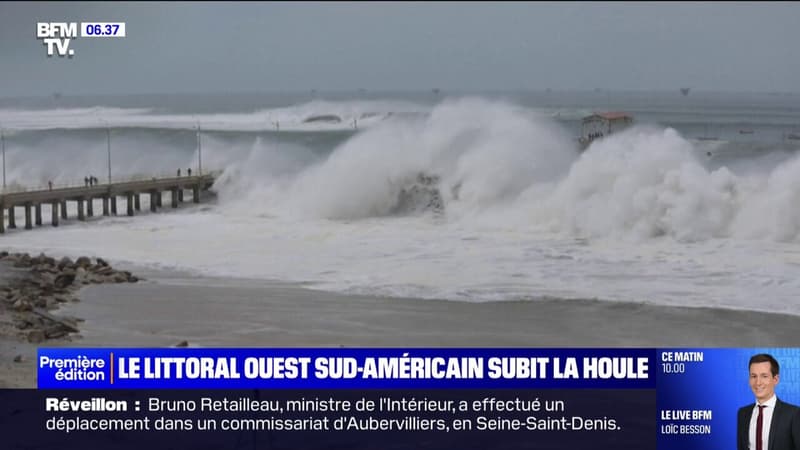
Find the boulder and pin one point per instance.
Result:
(103, 270)
(22, 263)
(83, 261)
(36, 336)
(55, 332)
(21, 305)
(64, 280)
(119, 277)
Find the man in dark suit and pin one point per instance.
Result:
(768, 424)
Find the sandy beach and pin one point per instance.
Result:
(221, 312)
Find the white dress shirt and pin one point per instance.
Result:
(765, 424)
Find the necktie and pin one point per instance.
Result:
(760, 426)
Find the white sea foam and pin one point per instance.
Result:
(638, 216)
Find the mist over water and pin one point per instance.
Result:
(505, 206)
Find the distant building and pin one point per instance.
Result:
(602, 124)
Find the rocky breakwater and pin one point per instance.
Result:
(39, 284)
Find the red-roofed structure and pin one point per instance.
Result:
(601, 124)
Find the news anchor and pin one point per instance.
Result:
(767, 424)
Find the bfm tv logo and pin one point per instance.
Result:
(56, 36)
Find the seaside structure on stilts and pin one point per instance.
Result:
(85, 196)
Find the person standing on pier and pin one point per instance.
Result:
(179, 172)
(50, 185)
(86, 181)
(189, 171)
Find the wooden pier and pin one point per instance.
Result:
(85, 197)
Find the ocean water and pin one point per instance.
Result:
(474, 197)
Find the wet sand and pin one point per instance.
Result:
(213, 312)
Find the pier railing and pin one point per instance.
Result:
(79, 183)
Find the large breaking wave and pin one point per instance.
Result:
(467, 160)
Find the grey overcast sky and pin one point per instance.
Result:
(186, 47)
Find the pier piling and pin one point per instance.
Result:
(28, 224)
(129, 202)
(54, 213)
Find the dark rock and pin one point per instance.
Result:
(182, 344)
(55, 332)
(50, 302)
(48, 284)
(36, 336)
(83, 261)
(18, 359)
(64, 280)
(103, 270)
(22, 263)
(21, 305)
(60, 321)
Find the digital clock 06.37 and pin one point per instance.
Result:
(102, 29)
